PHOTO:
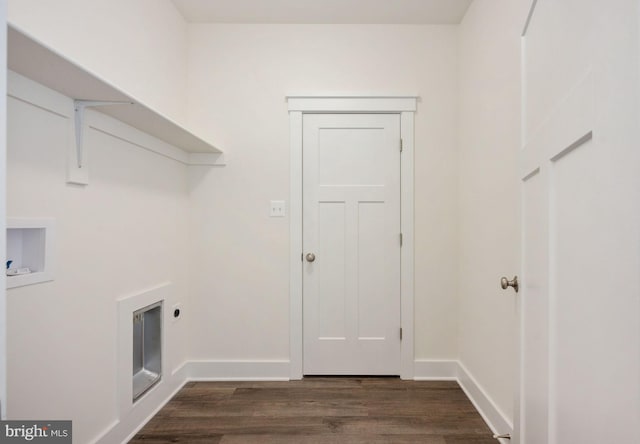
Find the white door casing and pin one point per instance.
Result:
(351, 233)
(579, 303)
(404, 106)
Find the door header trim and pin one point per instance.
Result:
(353, 104)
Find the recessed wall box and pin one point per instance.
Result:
(29, 247)
(147, 348)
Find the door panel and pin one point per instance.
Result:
(351, 222)
(534, 392)
(372, 261)
(331, 308)
(558, 50)
(574, 317)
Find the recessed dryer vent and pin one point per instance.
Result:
(147, 348)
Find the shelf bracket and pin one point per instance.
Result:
(77, 171)
(79, 107)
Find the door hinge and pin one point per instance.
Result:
(401, 333)
(401, 147)
(401, 239)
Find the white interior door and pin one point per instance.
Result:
(351, 226)
(579, 168)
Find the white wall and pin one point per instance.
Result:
(239, 76)
(489, 138)
(138, 46)
(123, 233)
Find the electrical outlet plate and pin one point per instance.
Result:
(175, 307)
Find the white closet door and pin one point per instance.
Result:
(351, 240)
(580, 296)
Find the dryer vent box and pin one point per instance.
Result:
(147, 346)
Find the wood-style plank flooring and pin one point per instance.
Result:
(318, 410)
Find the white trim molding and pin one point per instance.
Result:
(405, 106)
(435, 370)
(490, 412)
(453, 370)
(270, 370)
(352, 104)
(122, 430)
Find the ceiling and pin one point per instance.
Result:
(324, 11)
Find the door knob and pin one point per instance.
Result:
(310, 257)
(506, 283)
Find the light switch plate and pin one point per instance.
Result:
(278, 208)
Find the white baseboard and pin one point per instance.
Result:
(426, 370)
(432, 370)
(492, 415)
(238, 370)
(122, 430)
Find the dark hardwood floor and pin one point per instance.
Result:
(318, 410)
